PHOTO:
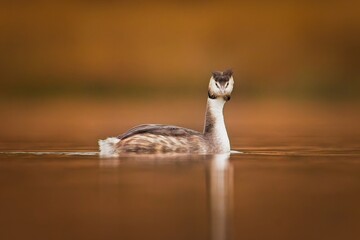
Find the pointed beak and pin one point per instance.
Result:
(223, 89)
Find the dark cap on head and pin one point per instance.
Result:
(222, 76)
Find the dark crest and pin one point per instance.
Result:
(222, 76)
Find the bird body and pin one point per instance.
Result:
(157, 138)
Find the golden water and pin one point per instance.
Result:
(297, 178)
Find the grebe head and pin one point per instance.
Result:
(221, 85)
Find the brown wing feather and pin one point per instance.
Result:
(159, 129)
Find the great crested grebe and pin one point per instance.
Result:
(157, 138)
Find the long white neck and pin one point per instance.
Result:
(214, 128)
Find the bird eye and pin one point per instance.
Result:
(227, 84)
(217, 85)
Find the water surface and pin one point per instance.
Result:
(298, 176)
(264, 193)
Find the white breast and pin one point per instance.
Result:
(219, 134)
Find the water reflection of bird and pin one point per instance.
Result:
(219, 183)
(156, 138)
(220, 187)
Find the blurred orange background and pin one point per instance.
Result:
(80, 70)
